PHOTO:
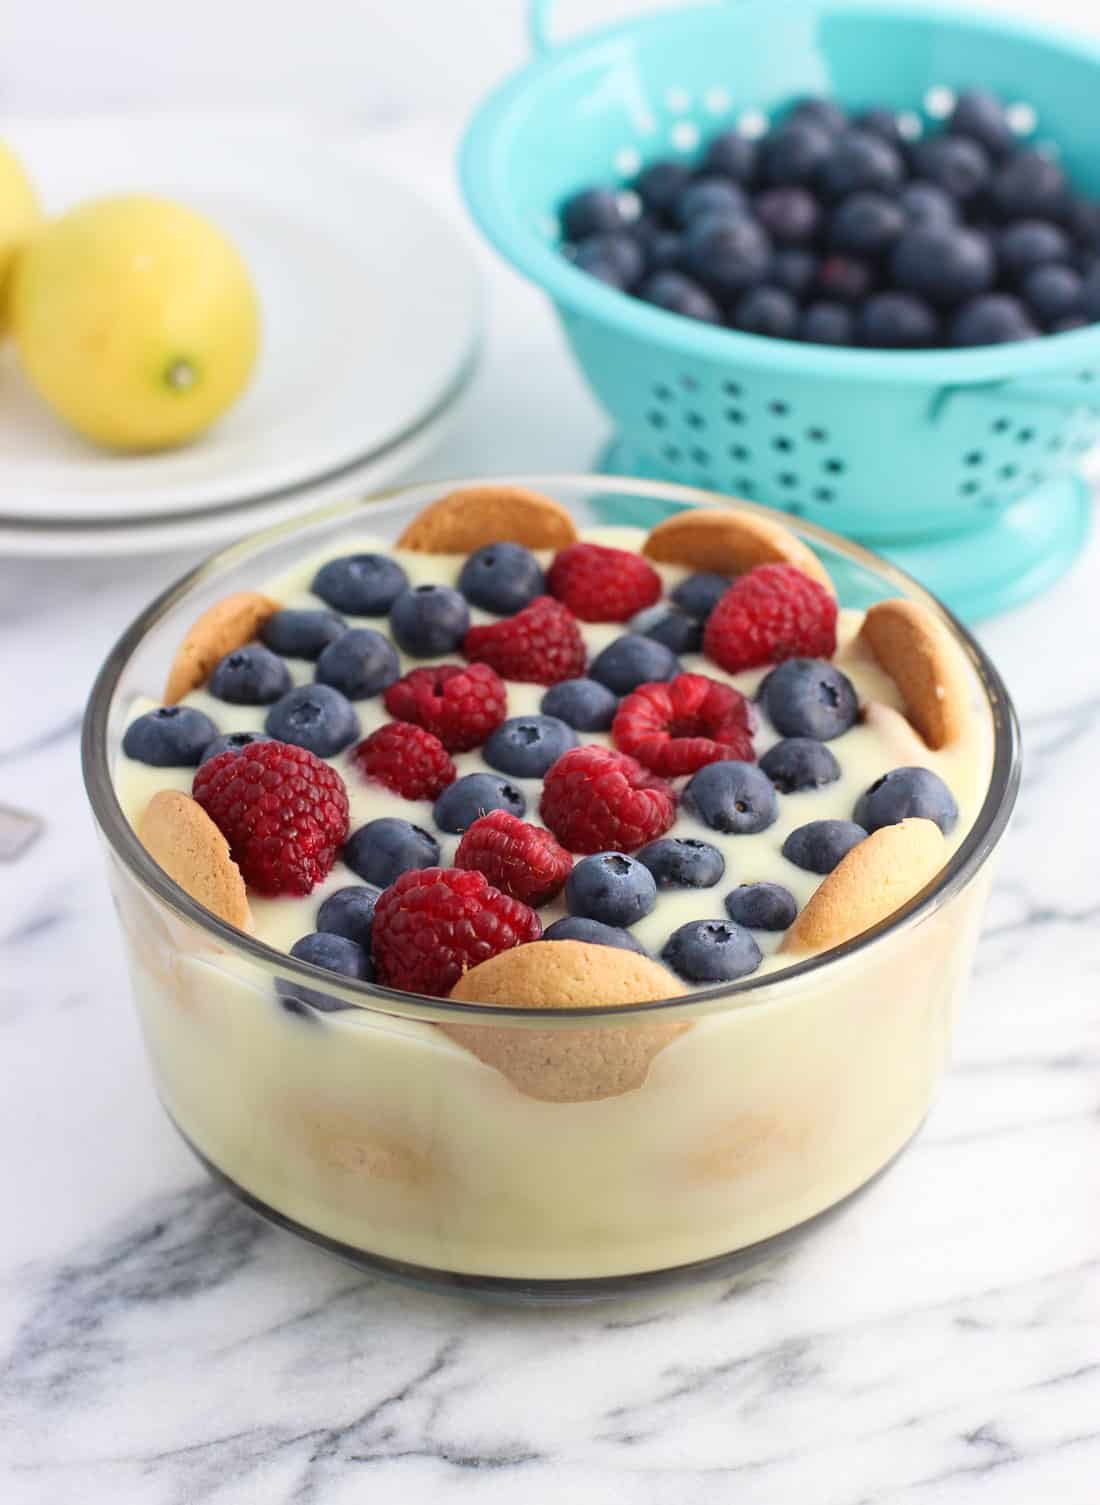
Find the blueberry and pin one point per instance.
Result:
(789, 215)
(981, 116)
(315, 717)
(768, 311)
(795, 153)
(350, 912)
(794, 270)
(302, 634)
(825, 323)
(671, 626)
(359, 664)
(1051, 292)
(925, 204)
(1068, 323)
(866, 224)
(882, 123)
(1083, 219)
(502, 578)
(233, 742)
(944, 263)
(699, 594)
(633, 660)
(678, 294)
(993, 319)
(798, 763)
(612, 888)
(383, 849)
(820, 845)
(897, 321)
(615, 259)
(581, 703)
(1090, 292)
(1029, 243)
(707, 196)
(593, 211)
(337, 954)
(659, 184)
(711, 951)
(860, 161)
(663, 250)
(475, 795)
(905, 792)
(733, 155)
(823, 113)
(809, 697)
(957, 165)
(845, 279)
(1029, 186)
(173, 736)
(762, 906)
(366, 585)
(429, 621)
(732, 797)
(683, 862)
(593, 933)
(527, 746)
(725, 253)
(251, 675)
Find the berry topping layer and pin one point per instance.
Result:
(425, 760)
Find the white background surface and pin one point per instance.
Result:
(364, 60)
(939, 1345)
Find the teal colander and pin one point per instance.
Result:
(963, 465)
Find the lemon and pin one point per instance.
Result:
(135, 319)
(19, 214)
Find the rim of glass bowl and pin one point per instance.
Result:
(964, 864)
(543, 263)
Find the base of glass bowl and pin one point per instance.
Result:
(1025, 548)
(548, 1292)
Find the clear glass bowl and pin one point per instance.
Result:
(371, 1131)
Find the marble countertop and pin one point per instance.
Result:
(938, 1343)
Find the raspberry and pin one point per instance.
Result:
(433, 924)
(521, 860)
(676, 728)
(596, 800)
(407, 759)
(461, 704)
(540, 645)
(773, 613)
(602, 585)
(283, 811)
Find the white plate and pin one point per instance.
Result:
(206, 531)
(370, 301)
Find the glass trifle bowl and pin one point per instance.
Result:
(541, 1153)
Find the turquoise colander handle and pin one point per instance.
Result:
(539, 16)
(1059, 390)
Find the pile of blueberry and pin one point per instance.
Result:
(841, 231)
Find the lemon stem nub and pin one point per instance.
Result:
(180, 375)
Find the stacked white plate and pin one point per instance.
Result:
(371, 320)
